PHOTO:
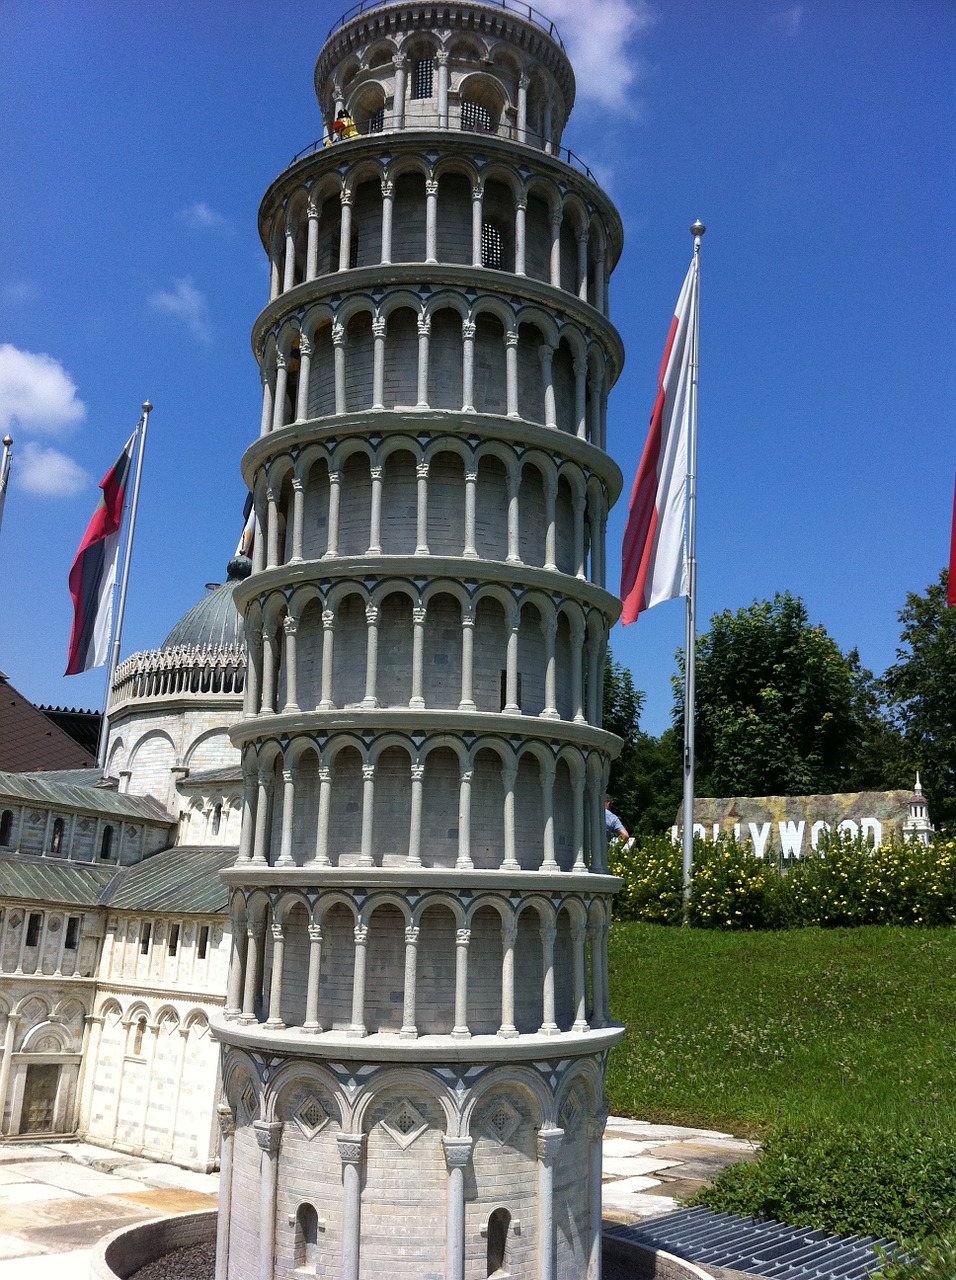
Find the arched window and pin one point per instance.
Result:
(6, 827)
(491, 246)
(498, 1225)
(306, 1236)
(106, 843)
(56, 839)
(138, 1037)
(475, 118)
(216, 819)
(424, 78)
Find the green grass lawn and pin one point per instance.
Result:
(746, 1031)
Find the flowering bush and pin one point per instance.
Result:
(844, 883)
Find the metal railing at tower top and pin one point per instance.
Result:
(502, 131)
(513, 6)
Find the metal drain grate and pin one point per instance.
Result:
(768, 1249)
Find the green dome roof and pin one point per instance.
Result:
(214, 621)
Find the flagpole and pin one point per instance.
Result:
(124, 582)
(5, 471)
(690, 644)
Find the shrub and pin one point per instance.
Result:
(933, 1260)
(651, 870)
(731, 888)
(899, 1184)
(845, 883)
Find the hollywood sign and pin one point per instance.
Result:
(786, 827)
(791, 835)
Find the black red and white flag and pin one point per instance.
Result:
(93, 575)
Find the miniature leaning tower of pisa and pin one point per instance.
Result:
(416, 1026)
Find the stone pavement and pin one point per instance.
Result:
(58, 1199)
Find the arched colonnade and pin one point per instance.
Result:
(497, 965)
(338, 801)
(397, 496)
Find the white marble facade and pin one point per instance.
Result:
(416, 1022)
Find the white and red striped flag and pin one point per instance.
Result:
(93, 575)
(654, 558)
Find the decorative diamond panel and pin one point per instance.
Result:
(311, 1116)
(503, 1121)
(570, 1111)
(404, 1124)
(249, 1103)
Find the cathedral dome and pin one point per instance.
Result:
(214, 622)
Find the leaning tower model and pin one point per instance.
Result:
(416, 1026)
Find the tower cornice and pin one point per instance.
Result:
(460, 424)
(425, 278)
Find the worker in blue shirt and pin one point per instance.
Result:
(616, 829)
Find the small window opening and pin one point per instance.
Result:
(145, 939)
(33, 928)
(6, 827)
(424, 78)
(306, 1236)
(376, 122)
(475, 118)
(138, 1038)
(491, 246)
(72, 933)
(216, 819)
(57, 838)
(203, 944)
(106, 843)
(498, 1225)
(173, 939)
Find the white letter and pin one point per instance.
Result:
(848, 826)
(815, 831)
(760, 838)
(674, 834)
(736, 833)
(874, 825)
(791, 838)
(700, 831)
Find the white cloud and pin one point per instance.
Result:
(18, 292)
(600, 37)
(186, 303)
(47, 472)
(36, 393)
(202, 217)
(789, 20)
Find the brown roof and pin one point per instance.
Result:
(30, 741)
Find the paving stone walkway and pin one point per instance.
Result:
(57, 1200)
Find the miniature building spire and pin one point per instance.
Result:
(918, 826)
(416, 1022)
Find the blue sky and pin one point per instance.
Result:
(815, 140)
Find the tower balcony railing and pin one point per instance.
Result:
(510, 132)
(208, 670)
(513, 6)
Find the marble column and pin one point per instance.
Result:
(268, 1136)
(457, 1158)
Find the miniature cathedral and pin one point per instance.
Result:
(416, 1023)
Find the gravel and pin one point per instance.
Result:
(195, 1263)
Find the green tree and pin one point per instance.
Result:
(780, 709)
(645, 779)
(921, 691)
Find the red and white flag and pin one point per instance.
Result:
(654, 558)
(951, 592)
(93, 575)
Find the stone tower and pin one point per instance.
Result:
(416, 1025)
